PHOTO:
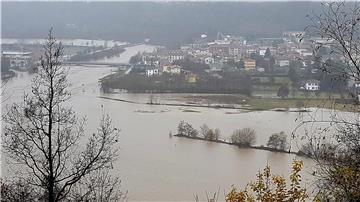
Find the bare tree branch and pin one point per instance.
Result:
(43, 133)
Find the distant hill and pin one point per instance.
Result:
(163, 23)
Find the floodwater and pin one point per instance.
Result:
(154, 166)
(125, 56)
(69, 42)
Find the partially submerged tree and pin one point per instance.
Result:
(278, 141)
(187, 129)
(244, 137)
(204, 130)
(44, 135)
(217, 134)
(210, 134)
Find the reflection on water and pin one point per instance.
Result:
(153, 166)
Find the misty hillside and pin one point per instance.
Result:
(165, 23)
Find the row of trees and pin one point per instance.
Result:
(136, 82)
(191, 65)
(241, 137)
(209, 133)
(98, 54)
(245, 137)
(187, 129)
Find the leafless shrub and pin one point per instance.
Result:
(209, 134)
(187, 129)
(244, 137)
(278, 141)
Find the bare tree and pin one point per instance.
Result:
(187, 129)
(338, 25)
(217, 133)
(3, 87)
(17, 191)
(44, 135)
(245, 137)
(336, 147)
(278, 141)
(100, 186)
(204, 130)
(210, 134)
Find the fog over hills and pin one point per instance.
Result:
(162, 22)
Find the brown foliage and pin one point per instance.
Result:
(269, 187)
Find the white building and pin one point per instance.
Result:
(209, 60)
(262, 52)
(312, 85)
(283, 63)
(357, 85)
(171, 69)
(151, 71)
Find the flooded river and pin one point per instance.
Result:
(154, 166)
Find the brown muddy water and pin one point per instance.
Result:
(154, 166)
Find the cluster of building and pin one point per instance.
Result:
(311, 85)
(234, 53)
(225, 53)
(169, 69)
(231, 48)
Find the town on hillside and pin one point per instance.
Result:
(268, 67)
